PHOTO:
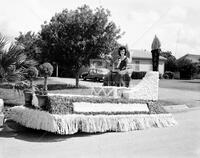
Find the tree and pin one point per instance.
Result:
(13, 62)
(198, 67)
(170, 64)
(73, 37)
(186, 68)
(31, 44)
(46, 70)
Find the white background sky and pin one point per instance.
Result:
(175, 22)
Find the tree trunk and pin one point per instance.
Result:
(31, 84)
(45, 83)
(77, 80)
(56, 70)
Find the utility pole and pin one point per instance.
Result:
(177, 40)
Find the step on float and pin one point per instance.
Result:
(116, 109)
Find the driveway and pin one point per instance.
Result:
(73, 81)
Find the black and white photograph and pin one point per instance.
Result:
(99, 79)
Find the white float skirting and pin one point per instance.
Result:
(72, 123)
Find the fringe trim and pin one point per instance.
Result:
(72, 123)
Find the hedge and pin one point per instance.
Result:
(168, 75)
(64, 105)
(138, 75)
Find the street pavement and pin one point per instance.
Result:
(181, 141)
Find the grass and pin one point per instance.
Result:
(13, 98)
(192, 85)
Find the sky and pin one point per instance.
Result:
(175, 22)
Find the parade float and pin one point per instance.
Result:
(107, 108)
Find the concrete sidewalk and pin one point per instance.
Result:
(181, 141)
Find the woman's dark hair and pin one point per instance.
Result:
(122, 48)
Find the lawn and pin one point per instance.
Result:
(192, 85)
(12, 97)
(62, 86)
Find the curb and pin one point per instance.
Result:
(176, 108)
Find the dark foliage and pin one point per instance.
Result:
(168, 75)
(64, 105)
(31, 45)
(73, 37)
(46, 69)
(13, 62)
(170, 64)
(186, 68)
(138, 75)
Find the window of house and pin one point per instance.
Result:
(137, 65)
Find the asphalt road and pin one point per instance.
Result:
(181, 141)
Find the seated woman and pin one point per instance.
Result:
(123, 59)
(119, 76)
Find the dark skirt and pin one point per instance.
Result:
(117, 78)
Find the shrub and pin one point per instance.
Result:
(31, 73)
(168, 75)
(27, 85)
(177, 75)
(58, 105)
(64, 104)
(13, 61)
(165, 76)
(46, 69)
(186, 68)
(138, 75)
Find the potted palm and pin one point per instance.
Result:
(46, 71)
(27, 86)
(155, 50)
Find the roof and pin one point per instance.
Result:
(142, 54)
(194, 58)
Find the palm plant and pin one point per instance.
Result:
(13, 62)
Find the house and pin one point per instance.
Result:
(141, 60)
(194, 58)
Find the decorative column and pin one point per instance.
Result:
(155, 50)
